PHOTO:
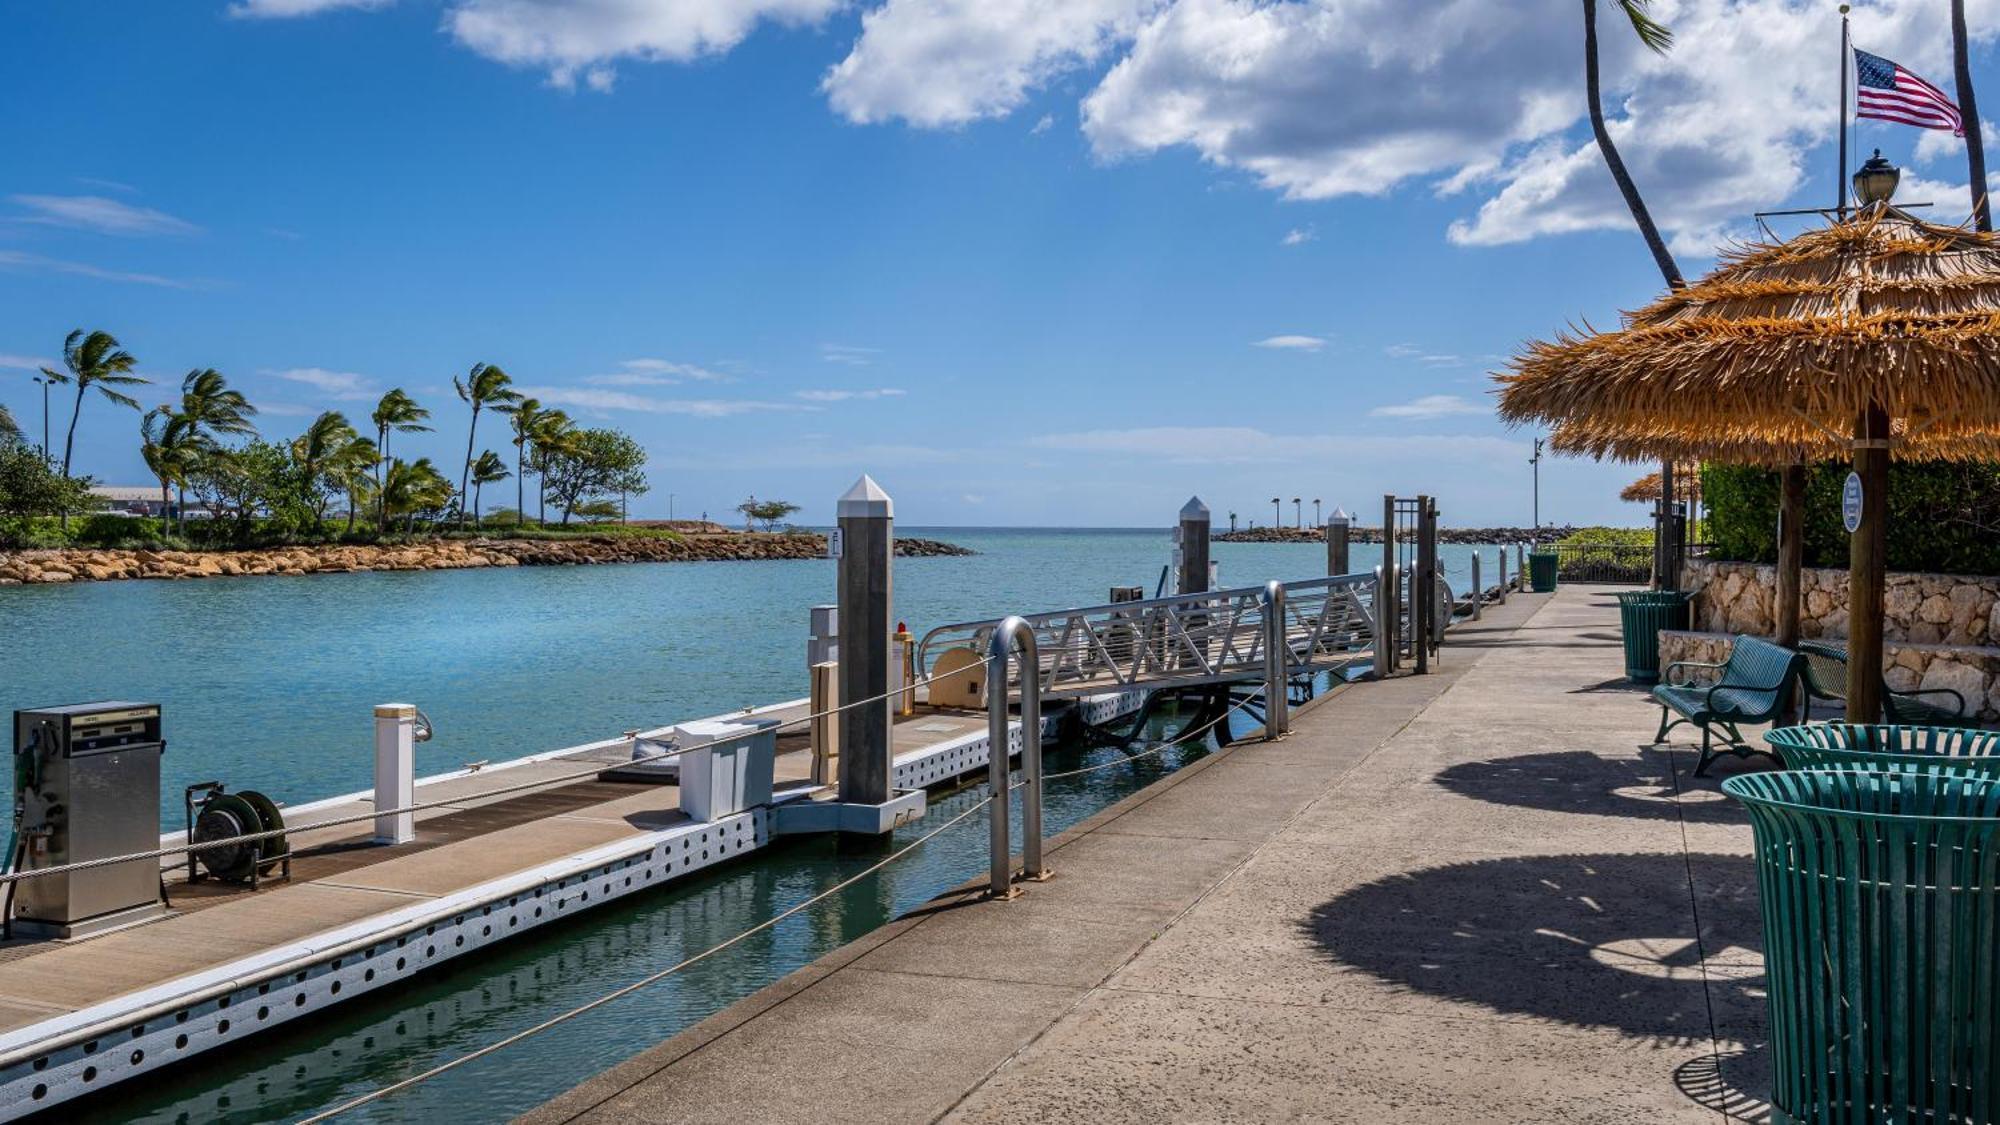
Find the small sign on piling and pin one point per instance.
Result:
(1850, 503)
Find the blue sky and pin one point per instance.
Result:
(1025, 261)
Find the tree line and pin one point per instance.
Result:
(205, 444)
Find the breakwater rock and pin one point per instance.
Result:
(1357, 534)
(86, 565)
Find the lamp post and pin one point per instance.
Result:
(44, 380)
(1298, 513)
(1317, 522)
(1536, 463)
(1232, 523)
(1277, 512)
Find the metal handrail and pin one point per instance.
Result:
(1010, 633)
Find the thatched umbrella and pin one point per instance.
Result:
(1650, 488)
(1873, 325)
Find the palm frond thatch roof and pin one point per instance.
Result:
(1647, 489)
(1772, 445)
(1786, 343)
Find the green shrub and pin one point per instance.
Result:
(1943, 518)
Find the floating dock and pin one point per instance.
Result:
(231, 962)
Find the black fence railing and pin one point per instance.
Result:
(1604, 562)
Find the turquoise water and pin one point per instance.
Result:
(269, 683)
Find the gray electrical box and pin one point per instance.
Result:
(87, 786)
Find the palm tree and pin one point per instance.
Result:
(550, 439)
(169, 446)
(1657, 38)
(1968, 110)
(526, 414)
(485, 385)
(350, 469)
(488, 469)
(209, 407)
(398, 413)
(410, 487)
(94, 360)
(316, 452)
(10, 430)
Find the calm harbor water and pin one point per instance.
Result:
(269, 683)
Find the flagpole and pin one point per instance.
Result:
(1840, 176)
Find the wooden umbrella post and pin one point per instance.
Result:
(1867, 567)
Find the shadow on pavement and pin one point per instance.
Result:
(1601, 940)
(1578, 781)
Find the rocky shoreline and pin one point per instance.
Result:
(87, 565)
(1471, 536)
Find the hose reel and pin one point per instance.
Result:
(221, 815)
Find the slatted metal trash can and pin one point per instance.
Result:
(1955, 751)
(1881, 943)
(1641, 616)
(1542, 571)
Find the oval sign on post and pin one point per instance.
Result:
(1850, 503)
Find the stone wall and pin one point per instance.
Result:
(1922, 609)
(1970, 670)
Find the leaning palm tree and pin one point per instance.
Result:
(398, 413)
(350, 469)
(485, 385)
(1968, 110)
(10, 430)
(315, 452)
(488, 469)
(410, 487)
(94, 360)
(1657, 38)
(169, 447)
(209, 407)
(527, 417)
(551, 439)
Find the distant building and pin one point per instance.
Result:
(134, 500)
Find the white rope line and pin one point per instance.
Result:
(626, 990)
(442, 802)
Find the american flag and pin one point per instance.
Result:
(1887, 92)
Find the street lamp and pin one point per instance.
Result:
(1317, 522)
(1298, 513)
(1875, 181)
(1536, 461)
(45, 379)
(1232, 523)
(1277, 512)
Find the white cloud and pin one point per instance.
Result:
(344, 385)
(1430, 359)
(1047, 122)
(27, 362)
(1291, 343)
(1429, 406)
(293, 9)
(940, 63)
(647, 372)
(848, 354)
(1298, 236)
(36, 263)
(624, 401)
(843, 396)
(97, 213)
(1219, 445)
(585, 38)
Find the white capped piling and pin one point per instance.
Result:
(1502, 553)
(1277, 663)
(395, 771)
(1192, 547)
(1338, 527)
(865, 544)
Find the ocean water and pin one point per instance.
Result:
(269, 683)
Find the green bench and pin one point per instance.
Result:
(1752, 686)
(1826, 678)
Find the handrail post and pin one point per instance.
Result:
(1478, 591)
(1012, 632)
(1382, 638)
(1503, 574)
(1277, 661)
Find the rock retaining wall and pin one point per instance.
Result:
(79, 565)
(1922, 609)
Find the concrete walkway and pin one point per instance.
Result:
(1474, 896)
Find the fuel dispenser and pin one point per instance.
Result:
(86, 786)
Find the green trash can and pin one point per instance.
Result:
(1542, 571)
(1881, 943)
(1641, 616)
(1951, 751)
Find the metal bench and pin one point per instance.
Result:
(1752, 686)
(1826, 678)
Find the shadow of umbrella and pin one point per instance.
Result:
(1602, 940)
(1577, 781)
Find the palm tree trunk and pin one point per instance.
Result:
(465, 481)
(542, 501)
(476, 490)
(69, 443)
(1630, 191)
(1968, 109)
(165, 503)
(520, 483)
(381, 459)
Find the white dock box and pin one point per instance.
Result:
(732, 775)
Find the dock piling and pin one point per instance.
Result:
(1193, 547)
(865, 622)
(395, 771)
(1011, 633)
(1338, 528)
(1277, 664)
(1478, 591)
